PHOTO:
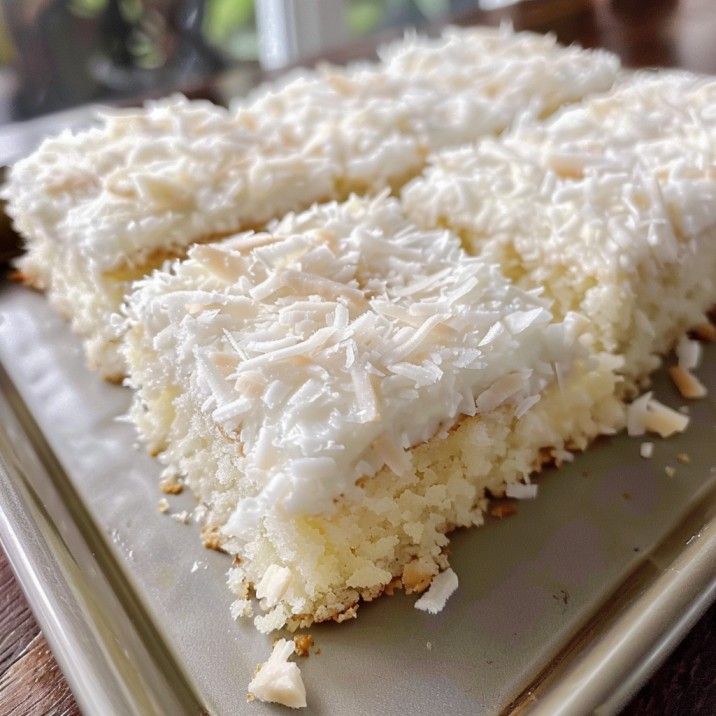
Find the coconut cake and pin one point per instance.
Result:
(342, 391)
(102, 207)
(609, 207)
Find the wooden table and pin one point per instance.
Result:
(672, 33)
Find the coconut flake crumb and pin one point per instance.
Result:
(684, 458)
(646, 450)
(688, 353)
(687, 383)
(670, 471)
(636, 415)
(429, 646)
(182, 517)
(441, 588)
(279, 680)
(521, 492)
(646, 414)
(663, 420)
(163, 505)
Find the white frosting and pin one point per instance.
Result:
(177, 171)
(346, 338)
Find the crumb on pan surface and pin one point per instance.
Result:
(104, 206)
(418, 417)
(278, 680)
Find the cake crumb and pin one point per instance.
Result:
(350, 613)
(198, 514)
(684, 458)
(278, 680)
(241, 609)
(416, 578)
(163, 505)
(503, 509)
(182, 517)
(302, 643)
(170, 486)
(646, 450)
(670, 471)
(211, 540)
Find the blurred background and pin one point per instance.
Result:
(60, 58)
(56, 54)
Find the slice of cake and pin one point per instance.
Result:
(610, 207)
(342, 391)
(103, 207)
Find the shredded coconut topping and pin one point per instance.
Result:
(321, 388)
(593, 205)
(177, 171)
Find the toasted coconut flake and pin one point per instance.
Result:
(687, 383)
(670, 471)
(663, 420)
(706, 332)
